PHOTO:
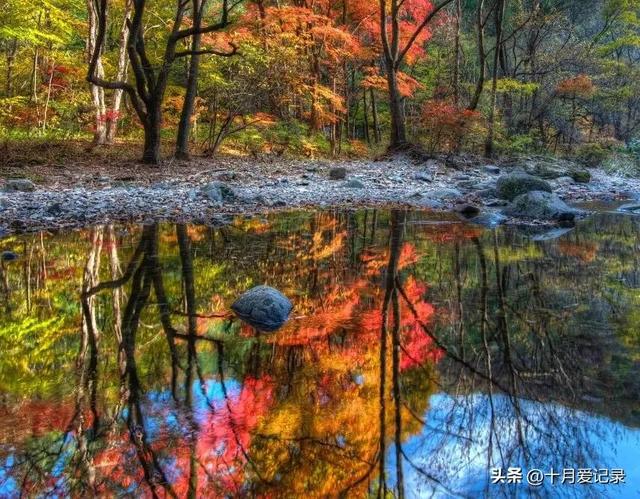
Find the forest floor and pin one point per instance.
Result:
(82, 193)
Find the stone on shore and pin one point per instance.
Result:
(512, 185)
(218, 192)
(354, 184)
(338, 173)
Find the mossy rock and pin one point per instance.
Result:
(581, 176)
(515, 184)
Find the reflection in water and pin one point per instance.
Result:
(421, 354)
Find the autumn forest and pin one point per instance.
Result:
(323, 77)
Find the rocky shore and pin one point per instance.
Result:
(534, 190)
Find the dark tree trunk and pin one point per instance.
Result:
(500, 10)
(11, 57)
(184, 127)
(482, 56)
(152, 127)
(398, 125)
(458, 53)
(374, 112)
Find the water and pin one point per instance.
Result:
(424, 356)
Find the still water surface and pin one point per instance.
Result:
(423, 356)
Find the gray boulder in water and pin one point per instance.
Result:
(263, 307)
(543, 206)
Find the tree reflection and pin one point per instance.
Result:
(421, 353)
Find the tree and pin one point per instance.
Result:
(150, 83)
(398, 37)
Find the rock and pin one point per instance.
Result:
(564, 181)
(552, 234)
(19, 185)
(514, 184)
(462, 177)
(467, 185)
(227, 176)
(581, 176)
(468, 210)
(339, 173)
(487, 193)
(354, 184)
(263, 307)
(217, 192)
(630, 208)
(445, 193)
(492, 169)
(492, 203)
(55, 209)
(547, 168)
(8, 256)
(423, 177)
(433, 164)
(543, 206)
(489, 219)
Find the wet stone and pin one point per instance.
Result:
(263, 307)
(491, 169)
(543, 206)
(8, 256)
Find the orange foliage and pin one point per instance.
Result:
(585, 252)
(407, 86)
(446, 125)
(579, 86)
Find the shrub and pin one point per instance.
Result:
(446, 126)
(517, 145)
(593, 155)
(622, 163)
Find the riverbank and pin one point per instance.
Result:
(208, 191)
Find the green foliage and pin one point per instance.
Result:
(35, 354)
(519, 144)
(516, 87)
(593, 155)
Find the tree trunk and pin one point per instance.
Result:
(374, 112)
(97, 92)
(456, 63)
(488, 148)
(11, 57)
(398, 125)
(152, 127)
(121, 74)
(481, 58)
(367, 135)
(184, 127)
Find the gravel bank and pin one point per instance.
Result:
(178, 196)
